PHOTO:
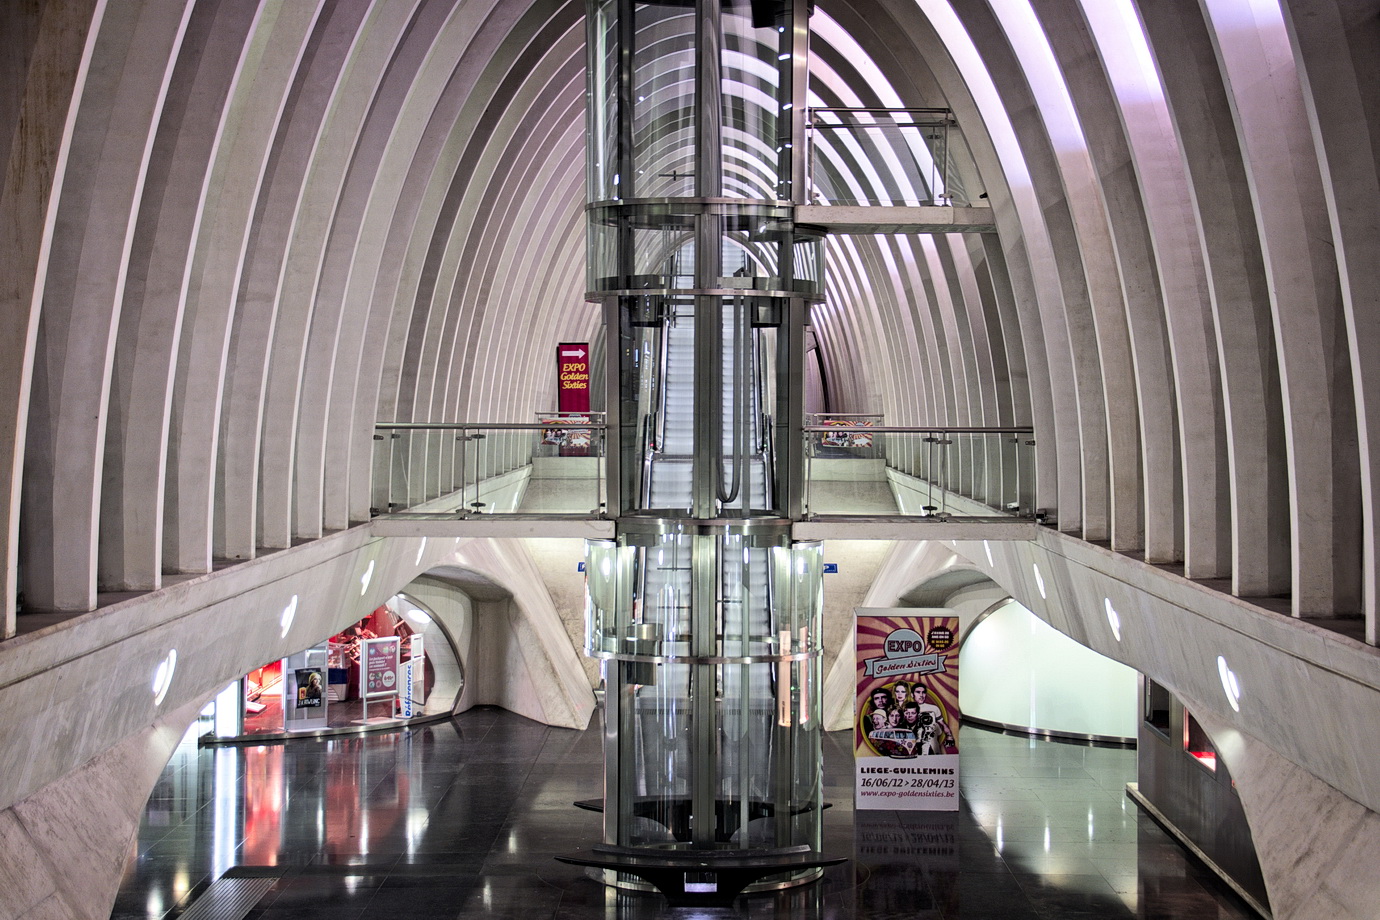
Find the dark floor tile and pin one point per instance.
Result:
(463, 819)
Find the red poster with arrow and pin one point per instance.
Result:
(572, 376)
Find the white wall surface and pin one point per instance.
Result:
(1017, 670)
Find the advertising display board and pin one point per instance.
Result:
(905, 734)
(311, 688)
(380, 658)
(304, 690)
(572, 377)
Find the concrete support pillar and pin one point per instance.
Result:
(1316, 846)
(63, 847)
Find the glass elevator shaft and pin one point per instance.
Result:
(705, 611)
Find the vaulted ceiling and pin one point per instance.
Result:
(238, 234)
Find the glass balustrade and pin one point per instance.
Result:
(888, 156)
(551, 466)
(857, 466)
(854, 465)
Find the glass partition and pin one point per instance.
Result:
(941, 472)
(713, 650)
(646, 61)
(551, 466)
(884, 156)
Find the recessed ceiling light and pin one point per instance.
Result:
(1230, 685)
(163, 675)
(289, 614)
(1113, 618)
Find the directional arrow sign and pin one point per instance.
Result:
(572, 377)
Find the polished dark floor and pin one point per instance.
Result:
(461, 819)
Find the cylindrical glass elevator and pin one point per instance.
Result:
(706, 612)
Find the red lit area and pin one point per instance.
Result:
(1206, 758)
(1197, 743)
(264, 687)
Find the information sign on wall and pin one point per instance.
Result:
(905, 735)
(380, 667)
(572, 376)
(413, 680)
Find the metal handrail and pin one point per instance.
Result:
(910, 429)
(884, 110)
(498, 426)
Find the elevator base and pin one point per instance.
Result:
(674, 815)
(712, 878)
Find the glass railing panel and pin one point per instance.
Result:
(858, 466)
(554, 465)
(882, 156)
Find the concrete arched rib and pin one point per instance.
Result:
(276, 293)
(1339, 47)
(293, 464)
(1026, 255)
(1138, 99)
(109, 146)
(56, 48)
(256, 105)
(170, 209)
(1259, 69)
(1127, 248)
(350, 266)
(1224, 220)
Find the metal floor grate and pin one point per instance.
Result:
(228, 899)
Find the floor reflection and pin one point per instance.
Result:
(461, 819)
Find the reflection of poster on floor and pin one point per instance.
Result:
(311, 688)
(905, 737)
(380, 667)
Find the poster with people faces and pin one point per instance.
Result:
(905, 737)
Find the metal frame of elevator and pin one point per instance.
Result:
(706, 614)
